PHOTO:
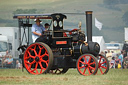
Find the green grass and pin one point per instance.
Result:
(72, 77)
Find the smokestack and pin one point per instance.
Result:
(89, 25)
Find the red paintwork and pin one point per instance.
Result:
(27, 55)
(87, 70)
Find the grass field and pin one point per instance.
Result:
(72, 77)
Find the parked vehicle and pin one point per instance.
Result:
(9, 40)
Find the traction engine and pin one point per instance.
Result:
(57, 50)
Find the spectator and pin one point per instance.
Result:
(109, 55)
(113, 54)
(121, 59)
(102, 53)
(112, 62)
(9, 61)
(125, 54)
(0, 57)
(6, 56)
(126, 62)
(18, 66)
(105, 53)
(117, 61)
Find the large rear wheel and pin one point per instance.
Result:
(38, 58)
(87, 64)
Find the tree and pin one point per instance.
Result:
(25, 11)
(115, 2)
(111, 2)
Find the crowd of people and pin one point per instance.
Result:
(8, 61)
(117, 60)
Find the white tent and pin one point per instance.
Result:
(126, 34)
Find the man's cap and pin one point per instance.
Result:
(37, 20)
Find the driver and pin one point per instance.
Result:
(37, 30)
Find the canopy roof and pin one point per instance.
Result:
(34, 16)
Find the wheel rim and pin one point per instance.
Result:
(87, 65)
(36, 59)
(103, 64)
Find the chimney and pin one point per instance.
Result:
(89, 25)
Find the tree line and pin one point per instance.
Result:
(115, 2)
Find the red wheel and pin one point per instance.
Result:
(87, 64)
(38, 58)
(59, 71)
(103, 64)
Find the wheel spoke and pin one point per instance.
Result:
(40, 65)
(27, 62)
(32, 62)
(41, 71)
(30, 67)
(100, 59)
(101, 71)
(85, 59)
(36, 71)
(81, 67)
(31, 49)
(89, 60)
(47, 64)
(92, 67)
(29, 53)
(35, 52)
(33, 70)
(84, 70)
(42, 55)
(103, 62)
(92, 63)
(103, 67)
(82, 62)
(40, 47)
(43, 61)
(39, 52)
(36, 65)
(89, 71)
(26, 58)
(46, 54)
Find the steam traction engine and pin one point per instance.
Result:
(57, 50)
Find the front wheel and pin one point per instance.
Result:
(87, 64)
(38, 58)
